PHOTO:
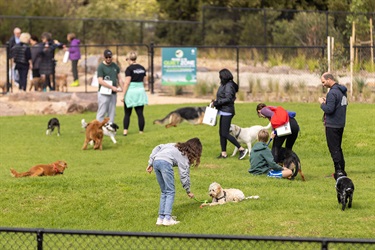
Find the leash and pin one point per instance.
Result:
(204, 201)
(269, 142)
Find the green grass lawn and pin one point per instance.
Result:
(110, 189)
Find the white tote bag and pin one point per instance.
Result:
(66, 57)
(210, 116)
(284, 130)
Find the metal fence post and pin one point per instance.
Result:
(151, 52)
(39, 239)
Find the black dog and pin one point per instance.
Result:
(344, 188)
(52, 124)
(290, 160)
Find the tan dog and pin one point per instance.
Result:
(52, 169)
(221, 196)
(37, 83)
(61, 81)
(94, 132)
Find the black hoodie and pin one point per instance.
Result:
(335, 107)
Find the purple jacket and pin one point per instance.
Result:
(74, 51)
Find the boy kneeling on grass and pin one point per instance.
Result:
(262, 161)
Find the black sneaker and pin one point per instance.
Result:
(222, 156)
(243, 154)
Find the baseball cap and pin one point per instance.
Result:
(107, 53)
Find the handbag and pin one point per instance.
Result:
(284, 130)
(210, 116)
(66, 57)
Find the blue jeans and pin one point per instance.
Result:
(165, 176)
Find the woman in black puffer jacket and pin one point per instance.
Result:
(225, 97)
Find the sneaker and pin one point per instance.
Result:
(222, 156)
(159, 221)
(75, 84)
(243, 154)
(170, 222)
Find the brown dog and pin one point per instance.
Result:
(61, 81)
(37, 83)
(52, 169)
(94, 132)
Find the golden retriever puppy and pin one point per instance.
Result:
(94, 132)
(221, 196)
(52, 169)
(61, 81)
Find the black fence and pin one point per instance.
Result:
(21, 238)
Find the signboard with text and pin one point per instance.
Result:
(179, 66)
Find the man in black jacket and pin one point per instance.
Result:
(334, 107)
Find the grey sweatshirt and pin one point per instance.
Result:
(168, 152)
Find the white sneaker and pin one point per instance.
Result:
(170, 222)
(159, 222)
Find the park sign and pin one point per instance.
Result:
(179, 66)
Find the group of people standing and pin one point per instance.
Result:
(262, 160)
(30, 53)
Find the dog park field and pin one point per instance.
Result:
(110, 190)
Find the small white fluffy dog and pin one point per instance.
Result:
(246, 135)
(221, 196)
(109, 129)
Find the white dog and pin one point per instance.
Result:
(246, 135)
(221, 196)
(109, 129)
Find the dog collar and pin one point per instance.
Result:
(223, 197)
(56, 169)
(239, 132)
(337, 181)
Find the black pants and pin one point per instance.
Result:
(290, 140)
(22, 72)
(224, 127)
(141, 118)
(75, 69)
(334, 140)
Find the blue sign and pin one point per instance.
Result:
(179, 66)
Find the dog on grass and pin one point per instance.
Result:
(94, 132)
(193, 115)
(52, 124)
(221, 196)
(52, 169)
(290, 159)
(109, 129)
(246, 135)
(344, 188)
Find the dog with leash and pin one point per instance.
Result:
(193, 115)
(246, 135)
(344, 188)
(290, 159)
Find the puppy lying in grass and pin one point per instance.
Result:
(52, 169)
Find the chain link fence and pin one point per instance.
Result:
(19, 238)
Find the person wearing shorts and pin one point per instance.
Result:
(262, 161)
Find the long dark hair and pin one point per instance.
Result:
(192, 149)
(225, 76)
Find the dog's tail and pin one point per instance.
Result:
(255, 197)
(349, 190)
(162, 121)
(104, 122)
(14, 173)
(84, 123)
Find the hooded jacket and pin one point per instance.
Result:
(74, 51)
(261, 159)
(335, 107)
(225, 97)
